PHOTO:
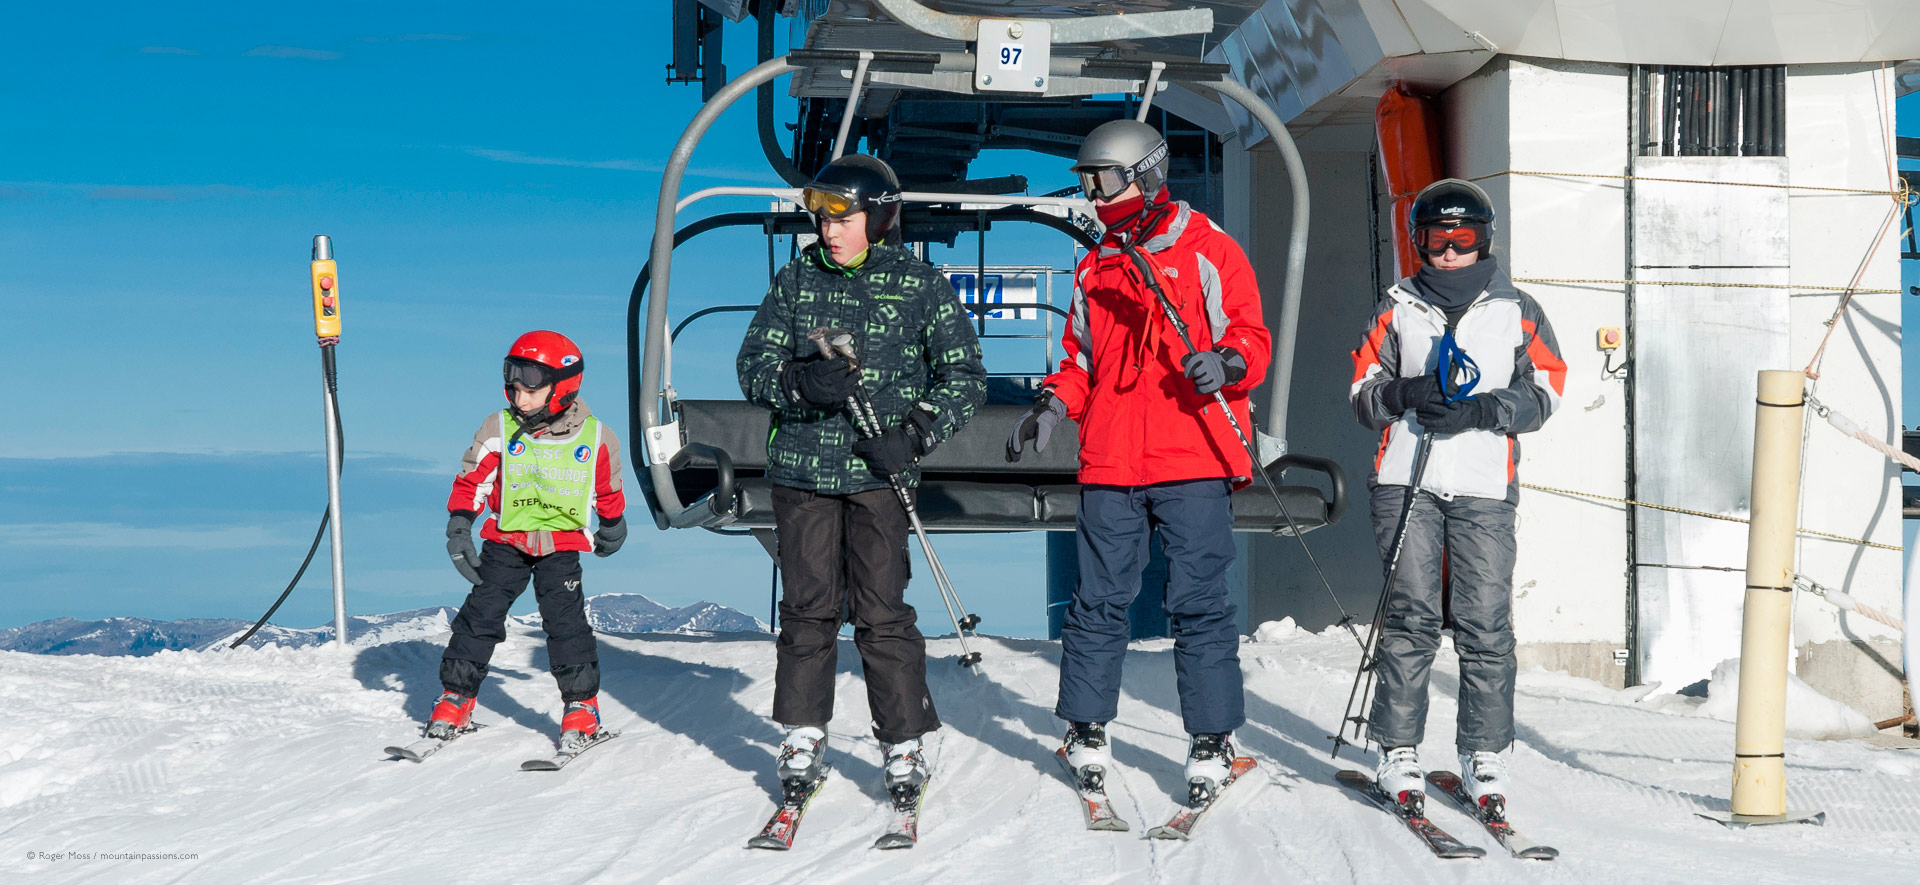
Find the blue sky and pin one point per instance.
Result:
(162, 171)
(161, 177)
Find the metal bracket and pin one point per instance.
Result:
(1012, 56)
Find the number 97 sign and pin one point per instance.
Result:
(1014, 56)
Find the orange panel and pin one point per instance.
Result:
(1410, 157)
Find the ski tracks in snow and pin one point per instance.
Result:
(266, 764)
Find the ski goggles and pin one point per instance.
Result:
(828, 203)
(1464, 238)
(835, 204)
(1105, 183)
(533, 375)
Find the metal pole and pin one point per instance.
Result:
(333, 505)
(326, 326)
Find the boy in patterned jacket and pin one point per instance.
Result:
(842, 532)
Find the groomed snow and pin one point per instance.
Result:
(266, 765)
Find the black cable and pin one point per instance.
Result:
(333, 386)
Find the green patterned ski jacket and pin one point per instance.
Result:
(915, 347)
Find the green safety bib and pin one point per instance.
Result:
(547, 484)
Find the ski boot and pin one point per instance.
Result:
(579, 724)
(803, 755)
(1484, 773)
(906, 764)
(1209, 760)
(452, 715)
(1087, 753)
(1401, 778)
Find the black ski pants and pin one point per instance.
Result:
(481, 624)
(840, 555)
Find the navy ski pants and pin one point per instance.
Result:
(1195, 518)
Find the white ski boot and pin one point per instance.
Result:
(1088, 754)
(906, 764)
(1209, 761)
(1484, 773)
(802, 754)
(1401, 778)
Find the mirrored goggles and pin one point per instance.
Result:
(1104, 184)
(828, 203)
(1462, 238)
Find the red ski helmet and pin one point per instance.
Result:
(540, 358)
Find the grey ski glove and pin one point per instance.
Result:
(466, 560)
(1036, 426)
(612, 533)
(1213, 369)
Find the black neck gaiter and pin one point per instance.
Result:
(1453, 291)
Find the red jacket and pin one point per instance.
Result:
(1140, 420)
(477, 484)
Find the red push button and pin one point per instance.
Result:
(326, 281)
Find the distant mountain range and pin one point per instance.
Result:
(138, 637)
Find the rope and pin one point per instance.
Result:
(1850, 290)
(1845, 425)
(1795, 187)
(1844, 602)
(1895, 192)
(1681, 510)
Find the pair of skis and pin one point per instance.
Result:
(903, 826)
(1098, 810)
(419, 750)
(1439, 841)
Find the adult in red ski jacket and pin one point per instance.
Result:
(1155, 451)
(1123, 377)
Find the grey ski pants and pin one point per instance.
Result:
(1475, 536)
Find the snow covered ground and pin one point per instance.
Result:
(266, 765)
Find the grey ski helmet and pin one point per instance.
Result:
(1118, 153)
(856, 183)
(1451, 212)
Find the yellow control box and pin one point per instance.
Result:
(326, 299)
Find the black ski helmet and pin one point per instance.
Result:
(1451, 203)
(856, 183)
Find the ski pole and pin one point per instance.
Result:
(834, 343)
(842, 342)
(1367, 669)
(1180, 325)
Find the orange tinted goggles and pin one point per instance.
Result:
(1462, 238)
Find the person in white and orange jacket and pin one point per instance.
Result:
(1155, 450)
(544, 466)
(1411, 382)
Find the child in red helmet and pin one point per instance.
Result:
(544, 466)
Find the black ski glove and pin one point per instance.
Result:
(1036, 426)
(466, 560)
(899, 448)
(818, 382)
(1402, 394)
(1472, 413)
(1213, 369)
(612, 533)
